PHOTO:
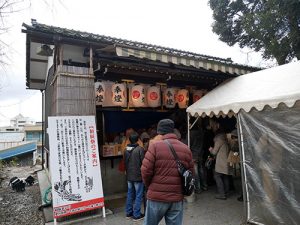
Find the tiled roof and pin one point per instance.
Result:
(85, 36)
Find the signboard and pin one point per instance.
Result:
(75, 165)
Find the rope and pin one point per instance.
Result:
(47, 197)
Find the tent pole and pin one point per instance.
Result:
(243, 169)
(188, 129)
(192, 125)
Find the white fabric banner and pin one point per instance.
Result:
(75, 165)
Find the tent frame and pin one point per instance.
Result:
(242, 159)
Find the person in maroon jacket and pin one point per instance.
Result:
(161, 177)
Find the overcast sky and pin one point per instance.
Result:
(184, 25)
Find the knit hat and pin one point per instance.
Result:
(165, 126)
(144, 135)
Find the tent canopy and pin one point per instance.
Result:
(268, 87)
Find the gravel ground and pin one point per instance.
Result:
(20, 208)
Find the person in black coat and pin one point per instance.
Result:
(134, 155)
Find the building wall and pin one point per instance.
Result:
(20, 121)
(34, 136)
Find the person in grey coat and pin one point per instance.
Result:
(134, 155)
(221, 151)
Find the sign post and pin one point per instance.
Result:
(74, 165)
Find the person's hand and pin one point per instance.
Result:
(210, 149)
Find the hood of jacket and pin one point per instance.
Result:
(220, 136)
(130, 147)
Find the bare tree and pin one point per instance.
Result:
(7, 9)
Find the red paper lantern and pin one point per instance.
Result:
(153, 96)
(138, 96)
(100, 92)
(183, 98)
(169, 98)
(118, 94)
(197, 95)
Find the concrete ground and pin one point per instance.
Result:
(205, 210)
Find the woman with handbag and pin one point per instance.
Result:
(221, 151)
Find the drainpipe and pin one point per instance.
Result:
(43, 126)
(188, 129)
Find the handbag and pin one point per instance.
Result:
(187, 178)
(210, 162)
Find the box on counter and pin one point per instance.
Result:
(111, 150)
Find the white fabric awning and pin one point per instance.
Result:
(186, 60)
(268, 87)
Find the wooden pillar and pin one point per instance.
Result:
(61, 50)
(91, 72)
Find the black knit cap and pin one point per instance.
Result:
(165, 126)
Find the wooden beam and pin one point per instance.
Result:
(37, 80)
(38, 60)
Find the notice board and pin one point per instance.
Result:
(74, 165)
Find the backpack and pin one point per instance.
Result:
(187, 178)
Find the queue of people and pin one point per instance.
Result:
(150, 166)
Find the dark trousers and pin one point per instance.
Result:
(203, 175)
(222, 182)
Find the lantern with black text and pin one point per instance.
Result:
(138, 96)
(169, 98)
(183, 98)
(100, 93)
(118, 94)
(197, 95)
(153, 96)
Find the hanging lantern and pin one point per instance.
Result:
(138, 96)
(169, 98)
(153, 96)
(100, 93)
(197, 95)
(183, 98)
(118, 94)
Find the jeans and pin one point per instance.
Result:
(172, 211)
(134, 198)
(222, 182)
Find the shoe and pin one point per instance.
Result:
(204, 188)
(229, 193)
(129, 216)
(240, 199)
(222, 197)
(198, 191)
(139, 218)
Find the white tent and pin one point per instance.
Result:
(255, 90)
(267, 107)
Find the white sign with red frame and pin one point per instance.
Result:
(74, 165)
